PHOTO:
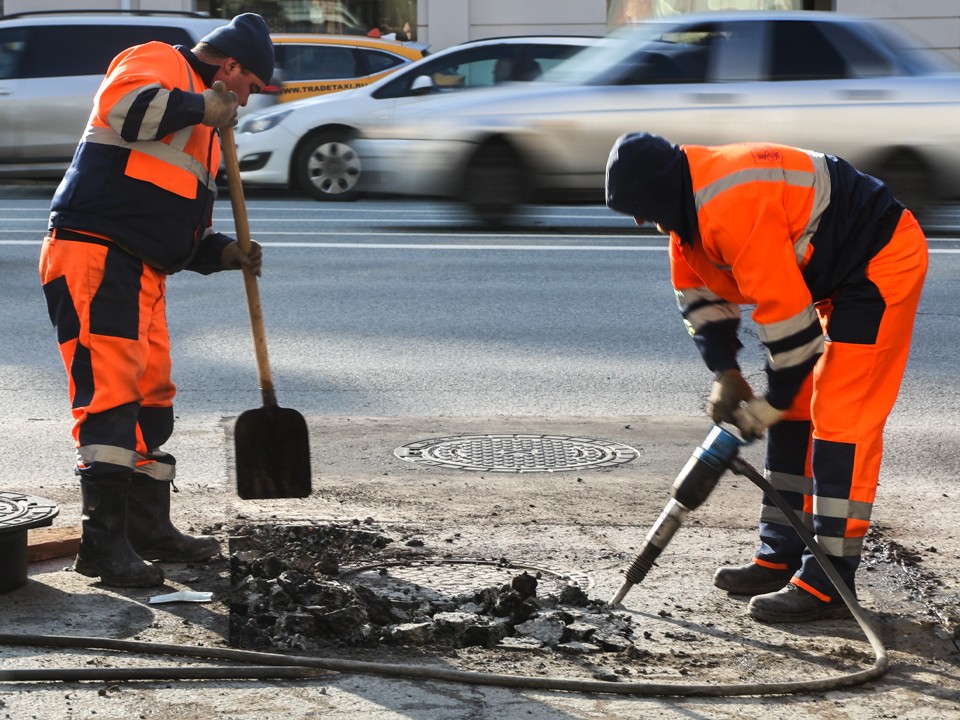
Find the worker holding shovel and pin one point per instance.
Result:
(136, 205)
(834, 266)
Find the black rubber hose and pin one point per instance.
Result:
(283, 665)
(418, 672)
(235, 672)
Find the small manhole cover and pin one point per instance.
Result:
(19, 512)
(439, 580)
(517, 453)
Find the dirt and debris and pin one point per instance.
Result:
(305, 587)
(358, 589)
(416, 577)
(881, 555)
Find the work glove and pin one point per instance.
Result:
(729, 390)
(219, 108)
(754, 417)
(233, 258)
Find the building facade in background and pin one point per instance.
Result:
(442, 23)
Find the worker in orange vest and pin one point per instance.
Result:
(834, 266)
(136, 205)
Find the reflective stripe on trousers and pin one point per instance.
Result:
(109, 312)
(854, 386)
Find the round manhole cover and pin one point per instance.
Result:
(517, 453)
(20, 512)
(440, 580)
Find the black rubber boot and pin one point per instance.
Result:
(751, 579)
(793, 604)
(105, 552)
(152, 534)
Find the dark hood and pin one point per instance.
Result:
(649, 178)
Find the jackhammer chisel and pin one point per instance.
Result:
(693, 485)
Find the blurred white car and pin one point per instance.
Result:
(845, 86)
(309, 144)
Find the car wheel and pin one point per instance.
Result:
(328, 167)
(909, 179)
(494, 184)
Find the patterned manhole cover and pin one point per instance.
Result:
(20, 512)
(517, 453)
(414, 582)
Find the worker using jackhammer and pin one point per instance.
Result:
(834, 266)
(136, 205)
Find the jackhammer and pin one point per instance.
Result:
(693, 485)
(715, 455)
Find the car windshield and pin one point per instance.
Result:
(917, 59)
(596, 64)
(680, 52)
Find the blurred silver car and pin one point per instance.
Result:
(840, 85)
(51, 64)
(309, 144)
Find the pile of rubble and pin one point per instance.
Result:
(305, 586)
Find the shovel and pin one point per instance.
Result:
(272, 444)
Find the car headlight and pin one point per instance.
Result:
(260, 122)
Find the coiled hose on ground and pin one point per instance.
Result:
(264, 665)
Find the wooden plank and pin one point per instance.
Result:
(46, 543)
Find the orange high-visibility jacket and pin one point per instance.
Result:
(775, 231)
(144, 173)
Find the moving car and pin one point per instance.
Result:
(51, 64)
(846, 86)
(309, 144)
(309, 65)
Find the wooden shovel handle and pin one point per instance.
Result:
(229, 146)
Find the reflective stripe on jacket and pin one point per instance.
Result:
(762, 210)
(144, 173)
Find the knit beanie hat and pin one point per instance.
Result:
(247, 40)
(645, 179)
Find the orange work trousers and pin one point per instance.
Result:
(109, 312)
(824, 457)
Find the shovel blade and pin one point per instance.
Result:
(273, 454)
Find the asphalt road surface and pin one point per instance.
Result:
(402, 309)
(390, 322)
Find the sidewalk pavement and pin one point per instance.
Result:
(589, 523)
